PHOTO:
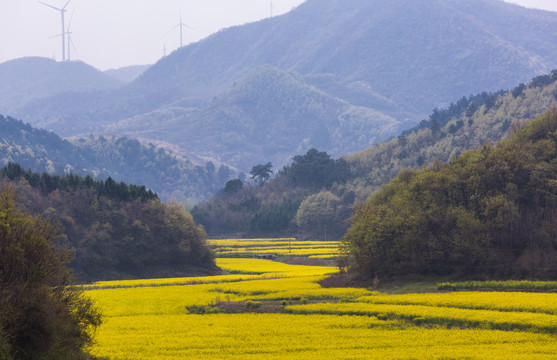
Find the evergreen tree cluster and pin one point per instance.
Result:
(48, 183)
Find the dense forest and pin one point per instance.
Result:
(489, 212)
(280, 205)
(118, 231)
(124, 159)
(268, 115)
(42, 315)
(270, 206)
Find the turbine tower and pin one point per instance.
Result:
(62, 11)
(181, 25)
(272, 8)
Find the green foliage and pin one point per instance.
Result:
(116, 230)
(491, 212)
(233, 186)
(464, 125)
(513, 285)
(262, 172)
(317, 212)
(250, 304)
(202, 309)
(316, 169)
(41, 315)
(122, 159)
(270, 207)
(48, 183)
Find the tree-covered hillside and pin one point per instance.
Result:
(466, 124)
(403, 56)
(270, 115)
(127, 74)
(123, 159)
(118, 231)
(489, 212)
(394, 59)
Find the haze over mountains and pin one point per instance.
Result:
(30, 78)
(336, 75)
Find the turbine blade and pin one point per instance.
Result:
(50, 6)
(73, 46)
(53, 36)
(66, 5)
(189, 27)
(169, 31)
(70, 23)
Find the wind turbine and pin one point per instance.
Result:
(70, 41)
(272, 8)
(182, 25)
(62, 11)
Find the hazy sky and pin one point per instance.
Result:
(115, 33)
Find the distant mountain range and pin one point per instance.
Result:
(269, 115)
(122, 159)
(127, 74)
(26, 79)
(335, 74)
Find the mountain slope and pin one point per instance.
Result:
(467, 124)
(123, 159)
(117, 231)
(25, 79)
(269, 115)
(127, 74)
(403, 56)
(491, 212)
(412, 52)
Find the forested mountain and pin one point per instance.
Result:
(469, 123)
(127, 74)
(400, 58)
(123, 159)
(490, 212)
(118, 231)
(26, 79)
(269, 115)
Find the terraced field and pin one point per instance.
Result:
(269, 310)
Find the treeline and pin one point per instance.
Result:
(117, 231)
(490, 212)
(122, 159)
(466, 106)
(270, 207)
(70, 182)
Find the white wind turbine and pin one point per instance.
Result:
(70, 41)
(62, 11)
(181, 25)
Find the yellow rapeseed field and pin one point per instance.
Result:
(283, 336)
(151, 319)
(502, 301)
(279, 247)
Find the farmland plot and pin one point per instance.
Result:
(153, 319)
